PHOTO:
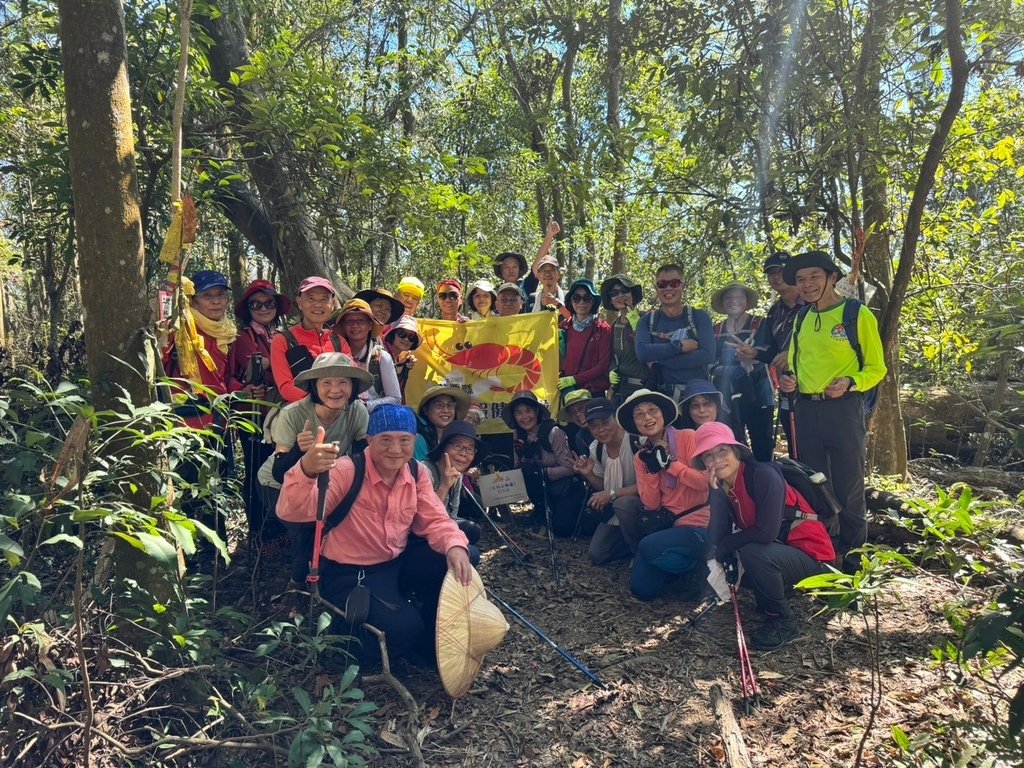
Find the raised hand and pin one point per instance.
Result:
(305, 439)
(451, 474)
(320, 457)
(553, 228)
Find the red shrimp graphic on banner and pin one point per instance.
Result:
(495, 364)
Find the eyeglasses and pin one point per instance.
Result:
(581, 297)
(407, 335)
(510, 299)
(720, 453)
(618, 292)
(461, 449)
(448, 296)
(256, 306)
(675, 282)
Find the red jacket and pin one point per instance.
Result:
(215, 380)
(315, 341)
(588, 355)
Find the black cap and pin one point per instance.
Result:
(600, 409)
(779, 259)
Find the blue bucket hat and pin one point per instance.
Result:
(205, 279)
(391, 418)
(704, 387)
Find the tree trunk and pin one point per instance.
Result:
(996, 406)
(887, 443)
(613, 73)
(238, 271)
(108, 224)
(959, 72)
(296, 249)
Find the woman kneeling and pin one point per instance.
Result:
(672, 526)
(778, 537)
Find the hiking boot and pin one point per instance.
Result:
(775, 632)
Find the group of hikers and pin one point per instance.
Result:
(662, 455)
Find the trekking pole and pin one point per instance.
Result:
(520, 554)
(561, 651)
(792, 426)
(323, 480)
(551, 533)
(748, 679)
(579, 516)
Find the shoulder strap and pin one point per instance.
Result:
(851, 313)
(794, 338)
(335, 342)
(290, 338)
(414, 468)
(345, 506)
(373, 368)
(600, 451)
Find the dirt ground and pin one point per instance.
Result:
(530, 707)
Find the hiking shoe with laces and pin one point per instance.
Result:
(775, 632)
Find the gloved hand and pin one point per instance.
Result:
(679, 336)
(655, 459)
(613, 377)
(566, 381)
(729, 565)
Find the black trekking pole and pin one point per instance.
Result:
(323, 480)
(551, 533)
(520, 554)
(561, 651)
(579, 517)
(793, 452)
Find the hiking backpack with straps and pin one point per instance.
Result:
(851, 311)
(816, 489)
(655, 317)
(299, 357)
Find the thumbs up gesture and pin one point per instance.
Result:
(320, 457)
(305, 438)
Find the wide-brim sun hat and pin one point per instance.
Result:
(524, 267)
(668, 407)
(808, 260)
(718, 296)
(242, 312)
(405, 323)
(634, 289)
(704, 387)
(711, 435)
(507, 413)
(460, 397)
(336, 365)
(358, 306)
(595, 305)
(460, 428)
(369, 295)
(468, 626)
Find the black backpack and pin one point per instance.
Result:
(816, 489)
(851, 310)
(299, 357)
(340, 512)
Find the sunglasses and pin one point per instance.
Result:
(256, 306)
(448, 296)
(675, 282)
(581, 297)
(617, 292)
(406, 335)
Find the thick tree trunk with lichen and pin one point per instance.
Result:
(108, 225)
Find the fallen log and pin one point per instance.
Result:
(732, 737)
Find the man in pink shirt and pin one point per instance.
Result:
(372, 546)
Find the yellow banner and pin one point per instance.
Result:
(491, 360)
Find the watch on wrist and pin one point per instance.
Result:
(613, 494)
(852, 384)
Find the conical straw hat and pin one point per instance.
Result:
(468, 626)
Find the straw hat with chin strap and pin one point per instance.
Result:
(468, 626)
